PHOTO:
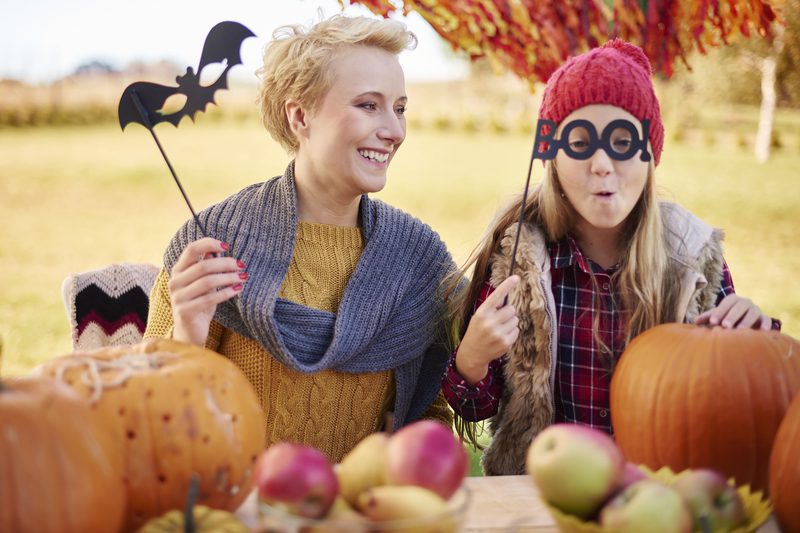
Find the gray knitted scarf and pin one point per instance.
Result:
(391, 315)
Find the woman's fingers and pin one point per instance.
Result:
(494, 327)
(512, 336)
(497, 299)
(735, 312)
(201, 269)
(714, 316)
(198, 250)
(207, 276)
(189, 308)
(504, 314)
(754, 319)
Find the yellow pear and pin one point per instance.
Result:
(363, 467)
(426, 510)
(341, 517)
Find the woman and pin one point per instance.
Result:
(328, 300)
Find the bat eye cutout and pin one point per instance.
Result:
(580, 140)
(212, 72)
(173, 104)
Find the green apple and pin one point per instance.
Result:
(708, 494)
(646, 506)
(575, 467)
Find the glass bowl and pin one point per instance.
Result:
(275, 520)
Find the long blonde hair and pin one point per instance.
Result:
(646, 278)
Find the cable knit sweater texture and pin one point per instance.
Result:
(354, 328)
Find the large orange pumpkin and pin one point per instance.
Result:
(784, 469)
(177, 409)
(59, 467)
(685, 396)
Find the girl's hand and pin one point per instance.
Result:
(491, 332)
(198, 282)
(735, 312)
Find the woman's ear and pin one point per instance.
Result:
(296, 117)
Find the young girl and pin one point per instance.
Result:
(600, 260)
(327, 300)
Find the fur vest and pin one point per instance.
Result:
(526, 406)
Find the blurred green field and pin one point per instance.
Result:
(74, 199)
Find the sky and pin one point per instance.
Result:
(42, 40)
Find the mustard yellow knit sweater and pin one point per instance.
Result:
(329, 410)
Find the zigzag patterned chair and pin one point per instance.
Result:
(108, 306)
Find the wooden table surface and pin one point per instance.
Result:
(501, 503)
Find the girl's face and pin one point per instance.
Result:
(353, 135)
(602, 190)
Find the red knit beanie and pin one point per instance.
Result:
(618, 73)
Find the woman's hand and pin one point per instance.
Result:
(735, 312)
(200, 281)
(494, 327)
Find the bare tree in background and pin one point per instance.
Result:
(768, 98)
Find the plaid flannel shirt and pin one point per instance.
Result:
(582, 380)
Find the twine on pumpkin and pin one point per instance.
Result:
(125, 366)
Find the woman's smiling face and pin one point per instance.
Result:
(352, 136)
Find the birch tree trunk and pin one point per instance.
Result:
(768, 98)
(764, 134)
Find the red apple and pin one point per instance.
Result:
(630, 475)
(426, 454)
(299, 478)
(649, 506)
(708, 494)
(575, 467)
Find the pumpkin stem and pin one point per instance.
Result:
(194, 487)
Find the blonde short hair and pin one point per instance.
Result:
(296, 64)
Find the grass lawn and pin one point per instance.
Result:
(74, 199)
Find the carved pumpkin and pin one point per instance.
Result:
(784, 469)
(685, 396)
(177, 409)
(59, 467)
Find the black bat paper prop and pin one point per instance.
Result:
(222, 46)
(142, 101)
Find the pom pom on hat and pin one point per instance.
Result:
(617, 73)
(632, 51)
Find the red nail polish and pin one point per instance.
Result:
(243, 275)
(225, 246)
(240, 264)
(237, 287)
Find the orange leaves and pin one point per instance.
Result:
(668, 30)
(532, 38)
(379, 7)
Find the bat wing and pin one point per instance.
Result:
(152, 97)
(223, 43)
